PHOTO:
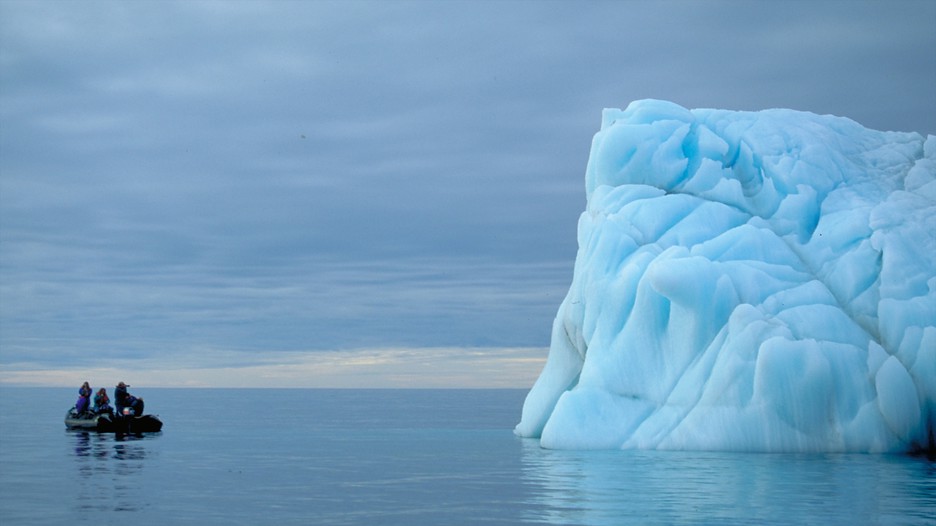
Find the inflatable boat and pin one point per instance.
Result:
(112, 423)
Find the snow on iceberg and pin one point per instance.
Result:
(747, 281)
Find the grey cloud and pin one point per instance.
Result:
(316, 175)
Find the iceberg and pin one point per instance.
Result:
(746, 281)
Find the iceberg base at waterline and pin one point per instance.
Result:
(747, 281)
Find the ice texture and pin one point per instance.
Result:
(747, 281)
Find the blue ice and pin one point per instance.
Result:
(747, 281)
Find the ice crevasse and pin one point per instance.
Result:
(747, 281)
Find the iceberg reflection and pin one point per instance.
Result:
(642, 487)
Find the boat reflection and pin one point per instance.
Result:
(111, 471)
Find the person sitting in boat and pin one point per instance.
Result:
(124, 400)
(121, 397)
(84, 398)
(102, 402)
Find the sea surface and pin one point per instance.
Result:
(413, 457)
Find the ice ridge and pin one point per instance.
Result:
(747, 281)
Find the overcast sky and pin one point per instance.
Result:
(360, 193)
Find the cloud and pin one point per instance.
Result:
(304, 176)
(103, 314)
(359, 368)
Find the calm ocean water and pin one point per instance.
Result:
(408, 457)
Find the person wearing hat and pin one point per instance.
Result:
(84, 398)
(124, 399)
(120, 397)
(102, 402)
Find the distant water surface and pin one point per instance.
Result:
(283, 456)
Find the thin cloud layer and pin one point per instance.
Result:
(310, 176)
(425, 367)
